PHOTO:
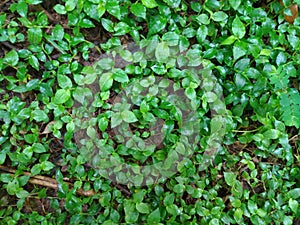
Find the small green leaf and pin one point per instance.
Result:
(149, 3)
(61, 96)
(142, 207)
(156, 24)
(230, 178)
(293, 204)
(162, 52)
(34, 62)
(106, 81)
(70, 5)
(40, 116)
(120, 75)
(107, 24)
(2, 157)
(116, 119)
(128, 116)
(12, 58)
(60, 9)
(238, 28)
(138, 10)
(230, 40)
(38, 148)
(294, 193)
(235, 3)
(113, 8)
(154, 217)
(219, 16)
(64, 81)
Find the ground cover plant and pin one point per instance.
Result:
(149, 112)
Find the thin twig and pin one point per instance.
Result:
(46, 181)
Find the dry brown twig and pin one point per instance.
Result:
(46, 181)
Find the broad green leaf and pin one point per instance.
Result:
(142, 208)
(156, 24)
(171, 38)
(201, 34)
(149, 3)
(230, 40)
(116, 119)
(238, 28)
(34, 62)
(294, 193)
(38, 148)
(60, 9)
(293, 204)
(106, 81)
(173, 3)
(219, 16)
(120, 75)
(2, 157)
(64, 81)
(39, 116)
(138, 10)
(107, 24)
(128, 116)
(61, 96)
(12, 58)
(154, 217)
(162, 52)
(230, 178)
(113, 8)
(235, 4)
(70, 5)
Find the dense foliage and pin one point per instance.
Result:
(64, 68)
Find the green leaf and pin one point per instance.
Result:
(294, 193)
(46, 165)
(149, 3)
(116, 119)
(156, 24)
(238, 51)
(154, 217)
(142, 208)
(293, 204)
(238, 214)
(107, 24)
(120, 75)
(138, 10)
(173, 3)
(64, 81)
(38, 148)
(106, 81)
(201, 34)
(40, 116)
(12, 58)
(103, 124)
(58, 32)
(235, 4)
(162, 52)
(113, 8)
(171, 38)
(272, 134)
(128, 116)
(230, 178)
(230, 40)
(131, 214)
(2, 157)
(60, 9)
(219, 16)
(70, 5)
(34, 62)
(238, 28)
(61, 96)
